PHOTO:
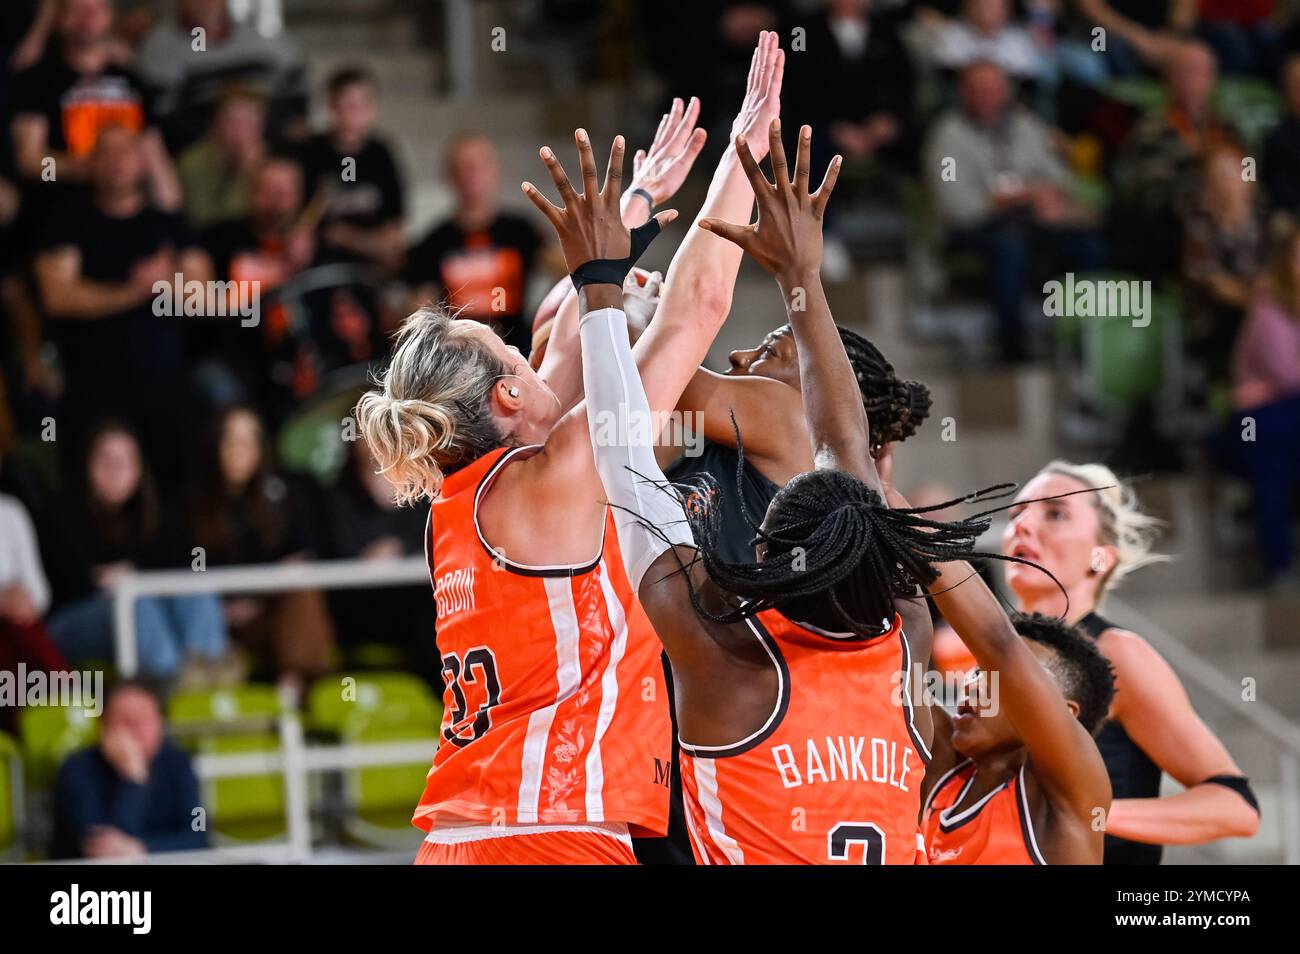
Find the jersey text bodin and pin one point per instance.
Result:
(555, 706)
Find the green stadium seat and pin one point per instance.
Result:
(375, 656)
(310, 441)
(381, 799)
(1126, 363)
(51, 733)
(235, 720)
(399, 698)
(1139, 92)
(1252, 105)
(11, 795)
(379, 707)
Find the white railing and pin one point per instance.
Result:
(294, 761)
(297, 760)
(277, 577)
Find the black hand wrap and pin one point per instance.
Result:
(612, 271)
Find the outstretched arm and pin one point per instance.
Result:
(700, 281)
(787, 241)
(697, 290)
(659, 173)
(1152, 705)
(1064, 756)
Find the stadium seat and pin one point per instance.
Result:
(380, 800)
(11, 796)
(375, 708)
(309, 442)
(1140, 92)
(227, 721)
(1106, 365)
(51, 733)
(1253, 105)
(403, 699)
(375, 656)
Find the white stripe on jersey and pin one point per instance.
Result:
(608, 697)
(693, 831)
(706, 784)
(568, 673)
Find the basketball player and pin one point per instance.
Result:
(1016, 777)
(1090, 542)
(793, 748)
(759, 399)
(556, 728)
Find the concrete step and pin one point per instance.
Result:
(346, 27)
(1218, 626)
(406, 77)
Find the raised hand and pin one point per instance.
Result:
(762, 103)
(678, 141)
(589, 224)
(787, 238)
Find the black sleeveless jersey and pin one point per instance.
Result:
(1132, 773)
(740, 515)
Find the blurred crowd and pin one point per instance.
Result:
(1147, 140)
(172, 146)
(145, 143)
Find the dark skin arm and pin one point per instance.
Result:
(771, 423)
(787, 241)
(1067, 768)
(942, 755)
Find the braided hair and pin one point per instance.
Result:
(895, 408)
(835, 555)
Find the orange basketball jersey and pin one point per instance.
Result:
(996, 830)
(555, 705)
(835, 774)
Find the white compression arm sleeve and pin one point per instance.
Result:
(623, 437)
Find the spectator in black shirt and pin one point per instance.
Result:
(1282, 147)
(479, 260)
(132, 794)
(351, 170)
(109, 524)
(97, 266)
(854, 85)
(366, 523)
(268, 246)
(303, 336)
(242, 512)
(78, 89)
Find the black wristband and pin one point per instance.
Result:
(612, 271)
(1239, 784)
(649, 199)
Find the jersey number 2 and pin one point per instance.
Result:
(458, 676)
(863, 833)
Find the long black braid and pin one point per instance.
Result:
(895, 408)
(835, 554)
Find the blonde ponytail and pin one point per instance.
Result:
(430, 414)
